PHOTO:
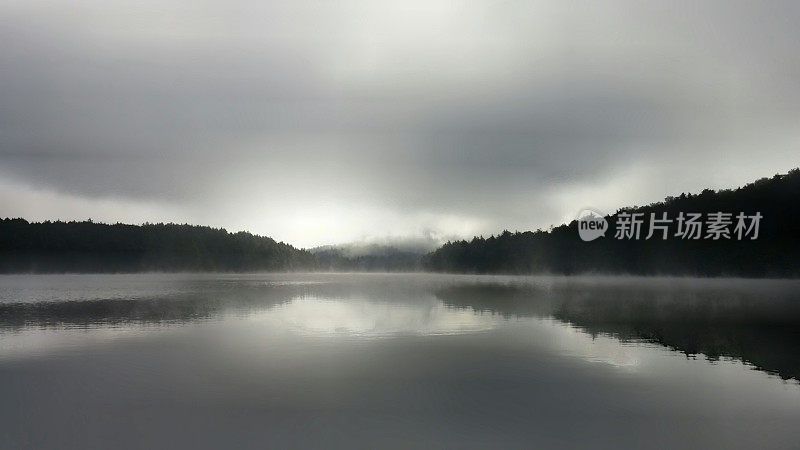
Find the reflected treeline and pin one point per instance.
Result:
(203, 304)
(755, 321)
(200, 300)
(751, 321)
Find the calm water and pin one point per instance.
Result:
(397, 361)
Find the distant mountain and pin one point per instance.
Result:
(387, 256)
(94, 247)
(775, 252)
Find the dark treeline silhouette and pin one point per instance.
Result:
(93, 247)
(775, 253)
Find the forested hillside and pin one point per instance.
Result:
(94, 247)
(774, 253)
(771, 249)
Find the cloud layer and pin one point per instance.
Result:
(324, 122)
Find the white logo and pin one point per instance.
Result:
(591, 224)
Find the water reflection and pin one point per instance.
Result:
(325, 317)
(177, 308)
(757, 322)
(394, 361)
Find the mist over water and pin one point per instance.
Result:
(171, 169)
(392, 361)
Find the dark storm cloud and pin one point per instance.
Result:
(330, 121)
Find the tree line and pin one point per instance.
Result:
(86, 246)
(560, 250)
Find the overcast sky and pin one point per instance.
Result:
(319, 122)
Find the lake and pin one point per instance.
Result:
(397, 361)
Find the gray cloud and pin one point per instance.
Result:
(324, 122)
